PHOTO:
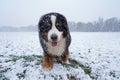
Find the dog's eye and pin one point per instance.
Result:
(45, 28)
(59, 28)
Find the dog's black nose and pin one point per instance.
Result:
(54, 37)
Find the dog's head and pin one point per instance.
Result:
(53, 27)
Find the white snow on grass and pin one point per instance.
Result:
(99, 51)
(94, 55)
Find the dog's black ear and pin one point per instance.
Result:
(40, 24)
(65, 30)
(65, 24)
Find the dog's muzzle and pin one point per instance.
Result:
(54, 39)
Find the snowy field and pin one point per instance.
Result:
(93, 56)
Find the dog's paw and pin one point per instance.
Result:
(47, 69)
(47, 66)
(67, 62)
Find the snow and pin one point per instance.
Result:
(20, 57)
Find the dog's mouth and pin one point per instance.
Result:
(54, 44)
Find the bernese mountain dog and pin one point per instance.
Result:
(54, 38)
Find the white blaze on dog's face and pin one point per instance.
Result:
(54, 31)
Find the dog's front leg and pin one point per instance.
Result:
(47, 62)
(64, 57)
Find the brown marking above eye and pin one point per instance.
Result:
(45, 34)
(58, 24)
(48, 24)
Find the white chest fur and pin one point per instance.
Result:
(57, 50)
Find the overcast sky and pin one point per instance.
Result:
(27, 12)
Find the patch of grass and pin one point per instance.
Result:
(73, 64)
(26, 58)
(1, 55)
(13, 58)
(55, 77)
(70, 77)
(5, 70)
(21, 75)
(2, 71)
(3, 77)
(39, 59)
(38, 56)
(112, 73)
(76, 64)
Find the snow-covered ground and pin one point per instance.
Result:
(93, 56)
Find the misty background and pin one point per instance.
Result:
(82, 15)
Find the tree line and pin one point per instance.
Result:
(109, 25)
